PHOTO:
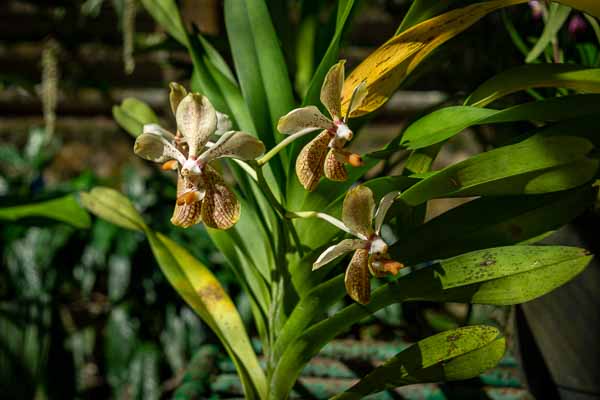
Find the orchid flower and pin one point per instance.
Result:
(325, 154)
(370, 251)
(202, 194)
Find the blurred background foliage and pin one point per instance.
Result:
(85, 313)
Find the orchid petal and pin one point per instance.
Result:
(358, 209)
(158, 130)
(303, 119)
(196, 120)
(240, 145)
(357, 279)
(153, 147)
(334, 169)
(176, 94)
(224, 123)
(309, 164)
(220, 207)
(338, 250)
(384, 205)
(331, 91)
(358, 96)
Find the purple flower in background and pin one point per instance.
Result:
(537, 9)
(577, 25)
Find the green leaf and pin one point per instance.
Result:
(456, 354)
(557, 17)
(257, 89)
(112, 206)
(192, 280)
(536, 165)
(591, 7)
(133, 114)
(389, 65)
(491, 221)
(215, 58)
(259, 62)
(203, 292)
(166, 13)
(64, 209)
(447, 122)
(421, 10)
(330, 57)
(536, 75)
(503, 275)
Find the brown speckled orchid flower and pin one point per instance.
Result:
(370, 250)
(325, 154)
(202, 194)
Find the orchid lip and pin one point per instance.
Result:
(191, 167)
(377, 245)
(343, 132)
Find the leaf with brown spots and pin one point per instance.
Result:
(386, 68)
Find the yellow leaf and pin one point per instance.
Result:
(389, 65)
(591, 7)
(386, 68)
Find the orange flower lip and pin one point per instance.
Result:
(188, 198)
(355, 160)
(169, 165)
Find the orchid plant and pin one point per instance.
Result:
(285, 232)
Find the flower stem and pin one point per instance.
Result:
(281, 145)
(325, 217)
(262, 183)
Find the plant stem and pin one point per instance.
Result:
(281, 145)
(247, 168)
(262, 183)
(325, 217)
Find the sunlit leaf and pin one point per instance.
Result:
(64, 209)
(194, 282)
(203, 292)
(386, 68)
(442, 124)
(503, 276)
(536, 165)
(460, 353)
(112, 206)
(491, 221)
(535, 75)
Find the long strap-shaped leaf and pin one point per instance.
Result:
(456, 354)
(533, 76)
(558, 16)
(491, 221)
(447, 122)
(193, 281)
(534, 166)
(503, 275)
(387, 67)
(64, 209)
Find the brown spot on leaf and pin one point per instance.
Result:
(211, 293)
